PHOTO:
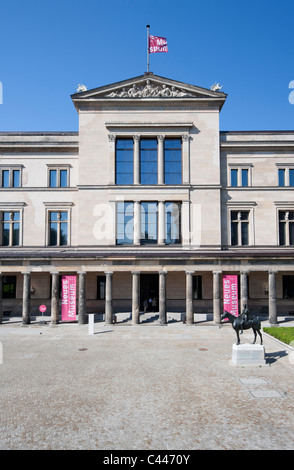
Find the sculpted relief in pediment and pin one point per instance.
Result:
(149, 90)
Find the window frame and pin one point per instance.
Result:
(239, 168)
(58, 168)
(286, 168)
(239, 207)
(57, 207)
(11, 169)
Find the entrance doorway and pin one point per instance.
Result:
(149, 289)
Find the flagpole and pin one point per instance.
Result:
(148, 47)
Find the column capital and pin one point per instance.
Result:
(136, 138)
(190, 272)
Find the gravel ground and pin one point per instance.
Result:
(141, 388)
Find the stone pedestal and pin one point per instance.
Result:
(91, 323)
(248, 355)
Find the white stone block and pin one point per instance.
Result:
(248, 355)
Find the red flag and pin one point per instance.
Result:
(157, 44)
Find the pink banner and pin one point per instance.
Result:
(230, 294)
(68, 298)
(157, 44)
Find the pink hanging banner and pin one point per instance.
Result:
(68, 298)
(230, 294)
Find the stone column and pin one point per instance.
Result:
(244, 289)
(55, 298)
(216, 297)
(111, 159)
(272, 298)
(136, 159)
(162, 298)
(135, 297)
(108, 298)
(161, 223)
(1, 305)
(186, 159)
(189, 298)
(26, 303)
(160, 160)
(82, 298)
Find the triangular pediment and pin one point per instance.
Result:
(149, 87)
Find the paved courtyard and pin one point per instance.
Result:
(141, 388)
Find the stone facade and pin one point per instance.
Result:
(60, 198)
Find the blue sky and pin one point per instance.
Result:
(49, 47)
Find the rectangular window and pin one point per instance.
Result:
(58, 228)
(10, 178)
(10, 228)
(16, 178)
(148, 161)
(9, 287)
(124, 223)
(173, 161)
(5, 179)
(101, 283)
(124, 161)
(286, 228)
(239, 228)
(58, 178)
(148, 223)
(172, 223)
(197, 287)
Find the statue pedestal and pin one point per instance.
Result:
(248, 355)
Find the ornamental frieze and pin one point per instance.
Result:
(149, 90)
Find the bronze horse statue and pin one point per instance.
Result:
(238, 324)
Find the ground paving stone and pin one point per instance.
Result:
(141, 387)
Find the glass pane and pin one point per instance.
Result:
(53, 234)
(5, 178)
(244, 233)
(282, 233)
(53, 178)
(63, 233)
(291, 215)
(53, 215)
(244, 177)
(124, 161)
(291, 233)
(148, 161)
(172, 223)
(148, 222)
(234, 233)
(5, 234)
(234, 177)
(291, 177)
(282, 215)
(63, 216)
(6, 215)
(15, 237)
(125, 223)
(281, 177)
(16, 179)
(173, 161)
(244, 215)
(63, 178)
(234, 215)
(15, 216)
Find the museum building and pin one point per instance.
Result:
(149, 206)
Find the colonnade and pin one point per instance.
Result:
(109, 317)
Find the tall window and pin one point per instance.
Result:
(148, 223)
(286, 227)
(288, 287)
(172, 223)
(173, 161)
(240, 228)
(124, 161)
(124, 223)
(10, 228)
(58, 228)
(148, 161)
(281, 174)
(285, 176)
